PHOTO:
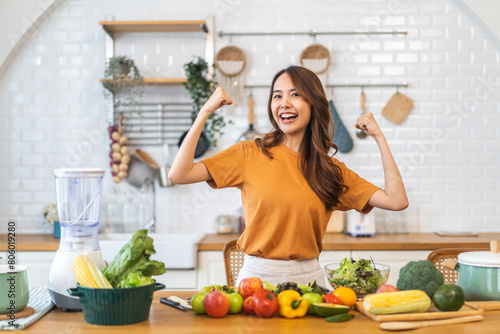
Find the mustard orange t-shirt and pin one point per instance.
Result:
(285, 219)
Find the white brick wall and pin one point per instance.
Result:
(52, 106)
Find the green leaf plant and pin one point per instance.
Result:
(123, 81)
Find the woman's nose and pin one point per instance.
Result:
(285, 102)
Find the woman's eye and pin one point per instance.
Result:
(295, 94)
(276, 96)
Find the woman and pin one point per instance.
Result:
(290, 183)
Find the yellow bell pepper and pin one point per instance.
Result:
(291, 304)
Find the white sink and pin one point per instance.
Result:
(176, 250)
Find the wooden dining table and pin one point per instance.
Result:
(166, 319)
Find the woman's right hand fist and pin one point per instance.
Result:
(218, 99)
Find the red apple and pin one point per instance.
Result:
(248, 305)
(216, 304)
(387, 288)
(248, 286)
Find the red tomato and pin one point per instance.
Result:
(248, 305)
(265, 303)
(330, 298)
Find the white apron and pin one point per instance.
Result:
(279, 271)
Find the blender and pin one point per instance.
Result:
(79, 197)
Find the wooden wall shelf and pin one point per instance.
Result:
(160, 81)
(112, 27)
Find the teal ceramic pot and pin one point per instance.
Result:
(479, 275)
(120, 306)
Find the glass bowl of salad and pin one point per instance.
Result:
(362, 276)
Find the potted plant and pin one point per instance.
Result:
(123, 80)
(51, 216)
(201, 87)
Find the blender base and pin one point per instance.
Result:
(64, 302)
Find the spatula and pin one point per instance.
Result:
(406, 325)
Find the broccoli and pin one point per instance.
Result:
(420, 275)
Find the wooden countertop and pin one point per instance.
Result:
(411, 241)
(165, 319)
(332, 241)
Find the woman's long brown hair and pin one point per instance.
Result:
(323, 176)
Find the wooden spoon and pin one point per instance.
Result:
(400, 326)
(144, 157)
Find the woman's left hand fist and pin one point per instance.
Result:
(368, 125)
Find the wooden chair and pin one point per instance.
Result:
(233, 261)
(438, 256)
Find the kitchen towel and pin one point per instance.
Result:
(341, 138)
(39, 300)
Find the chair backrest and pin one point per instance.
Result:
(438, 256)
(233, 261)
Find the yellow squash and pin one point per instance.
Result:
(409, 301)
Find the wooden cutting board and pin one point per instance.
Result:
(397, 108)
(432, 314)
(490, 305)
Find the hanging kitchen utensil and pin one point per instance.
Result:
(139, 173)
(397, 108)
(341, 137)
(360, 133)
(315, 57)
(231, 61)
(251, 133)
(164, 181)
(144, 157)
(201, 147)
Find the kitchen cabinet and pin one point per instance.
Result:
(3, 257)
(179, 279)
(38, 264)
(211, 268)
(395, 259)
(211, 265)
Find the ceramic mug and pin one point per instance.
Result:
(14, 290)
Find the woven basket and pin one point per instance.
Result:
(230, 60)
(316, 57)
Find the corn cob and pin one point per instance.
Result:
(87, 274)
(409, 301)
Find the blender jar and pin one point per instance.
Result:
(79, 198)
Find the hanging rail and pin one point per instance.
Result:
(312, 33)
(397, 85)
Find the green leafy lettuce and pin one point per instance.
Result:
(135, 279)
(357, 275)
(134, 259)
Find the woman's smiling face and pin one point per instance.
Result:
(290, 111)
